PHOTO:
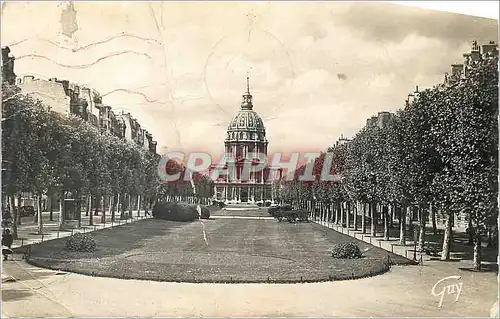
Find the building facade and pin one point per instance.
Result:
(52, 93)
(246, 136)
(460, 71)
(134, 133)
(341, 141)
(380, 120)
(69, 98)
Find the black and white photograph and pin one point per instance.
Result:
(249, 159)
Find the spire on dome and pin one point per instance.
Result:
(248, 83)
(247, 97)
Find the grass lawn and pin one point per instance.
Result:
(237, 250)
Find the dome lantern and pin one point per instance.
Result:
(247, 97)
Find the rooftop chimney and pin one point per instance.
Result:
(489, 49)
(456, 70)
(383, 118)
(475, 51)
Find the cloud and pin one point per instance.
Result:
(319, 69)
(393, 23)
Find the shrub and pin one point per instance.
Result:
(267, 203)
(347, 250)
(80, 242)
(179, 212)
(272, 210)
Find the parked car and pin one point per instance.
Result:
(27, 211)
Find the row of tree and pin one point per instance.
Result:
(58, 156)
(438, 155)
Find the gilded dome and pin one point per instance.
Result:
(247, 124)
(247, 120)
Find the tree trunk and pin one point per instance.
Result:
(336, 211)
(363, 218)
(146, 206)
(40, 214)
(330, 212)
(50, 199)
(113, 207)
(409, 220)
(347, 214)
(62, 216)
(470, 232)
(490, 237)
(341, 209)
(122, 206)
(79, 210)
(89, 211)
(15, 216)
(321, 211)
(432, 211)
(130, 203)
(373, 214)
(88, 207)
(97, 205)
(421, 233)
(355, 216)
(477, 250)
(331, 209)
(391, 216)
(315, 212)
(403, 210)
(19, 205)
(111, 204)
(34, 196)
(119, 203)
(139, 198)
(386, 222)
(447, 239)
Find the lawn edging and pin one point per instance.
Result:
(382, 268)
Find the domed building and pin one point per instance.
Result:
(246, 134)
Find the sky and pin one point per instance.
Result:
(317, 70)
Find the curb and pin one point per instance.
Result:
(352, 234)
(25, 242)
(384, 267)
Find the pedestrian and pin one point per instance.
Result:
(7, 240)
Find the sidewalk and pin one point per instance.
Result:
(460, 250)
(28, 230)
(392, 245)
